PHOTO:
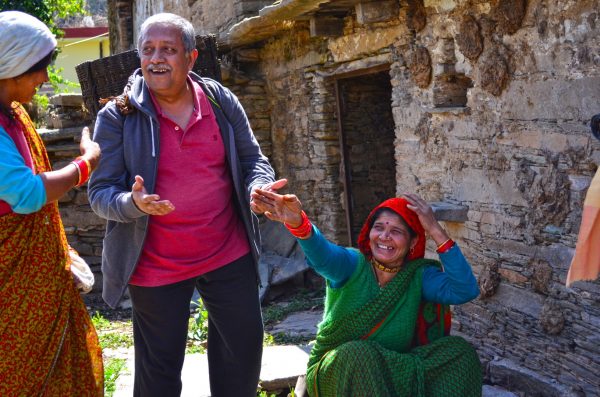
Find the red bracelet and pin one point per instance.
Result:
(84, 169)
(303, 230)
(445, 246)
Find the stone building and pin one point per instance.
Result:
(480, 105)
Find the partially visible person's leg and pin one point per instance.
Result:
(235, 329)
(160, 324)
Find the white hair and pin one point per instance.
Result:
(188, 35)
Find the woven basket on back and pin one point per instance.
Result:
(106, 77)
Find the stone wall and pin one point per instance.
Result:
(490, 102)
(207, 16)
(520, 156)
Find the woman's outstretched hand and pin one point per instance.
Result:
(269, 187)
(89, 149)
(425, 214)
(285, 208)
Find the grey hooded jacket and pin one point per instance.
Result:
(130, 147)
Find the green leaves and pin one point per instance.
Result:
(47, 11)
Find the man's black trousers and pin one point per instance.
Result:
(235, 332)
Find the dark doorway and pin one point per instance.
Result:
(367, 135)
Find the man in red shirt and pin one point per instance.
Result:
(175, 183)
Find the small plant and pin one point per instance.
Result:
(109, 334)
(198, 329)
(58, 82)
(100, 322)
(263, 393)
(268, 340)
(112, 370)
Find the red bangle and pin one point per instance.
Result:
(84, 169)
(445, 246)
(303, 230)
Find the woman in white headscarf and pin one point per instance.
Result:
(48, 345)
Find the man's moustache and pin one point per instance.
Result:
(152, 68)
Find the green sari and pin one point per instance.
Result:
(365, 347)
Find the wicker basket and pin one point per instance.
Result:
(106, 77)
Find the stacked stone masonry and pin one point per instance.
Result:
(490, 102)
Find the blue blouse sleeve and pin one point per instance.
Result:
(331, 261)
(19, 186)
(453, 285)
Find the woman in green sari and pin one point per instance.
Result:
(386, 321)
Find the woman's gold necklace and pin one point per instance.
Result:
(384, 268)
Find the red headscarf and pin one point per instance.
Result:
(398, 205)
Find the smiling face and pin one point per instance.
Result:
(390, 239)
(165, 63)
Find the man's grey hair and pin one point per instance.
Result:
(188, 35)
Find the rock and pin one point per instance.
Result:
(283, 269)
(281, 366)
(300, 389)
(299, 324)
(276, 239)
(67, 100)
(449, 212)
(506, 373)
(495, 391)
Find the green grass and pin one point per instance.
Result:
(111, 335)
(100, 323)
(112, 369)
(114, 340)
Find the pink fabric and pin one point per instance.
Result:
(585, 264)
(204, 232)
(13, 129)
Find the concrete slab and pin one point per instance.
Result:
(281, 366)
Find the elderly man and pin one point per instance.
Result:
(174, 184)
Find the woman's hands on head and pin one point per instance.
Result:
(426, 217)
(89, 149)
(284, 208)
